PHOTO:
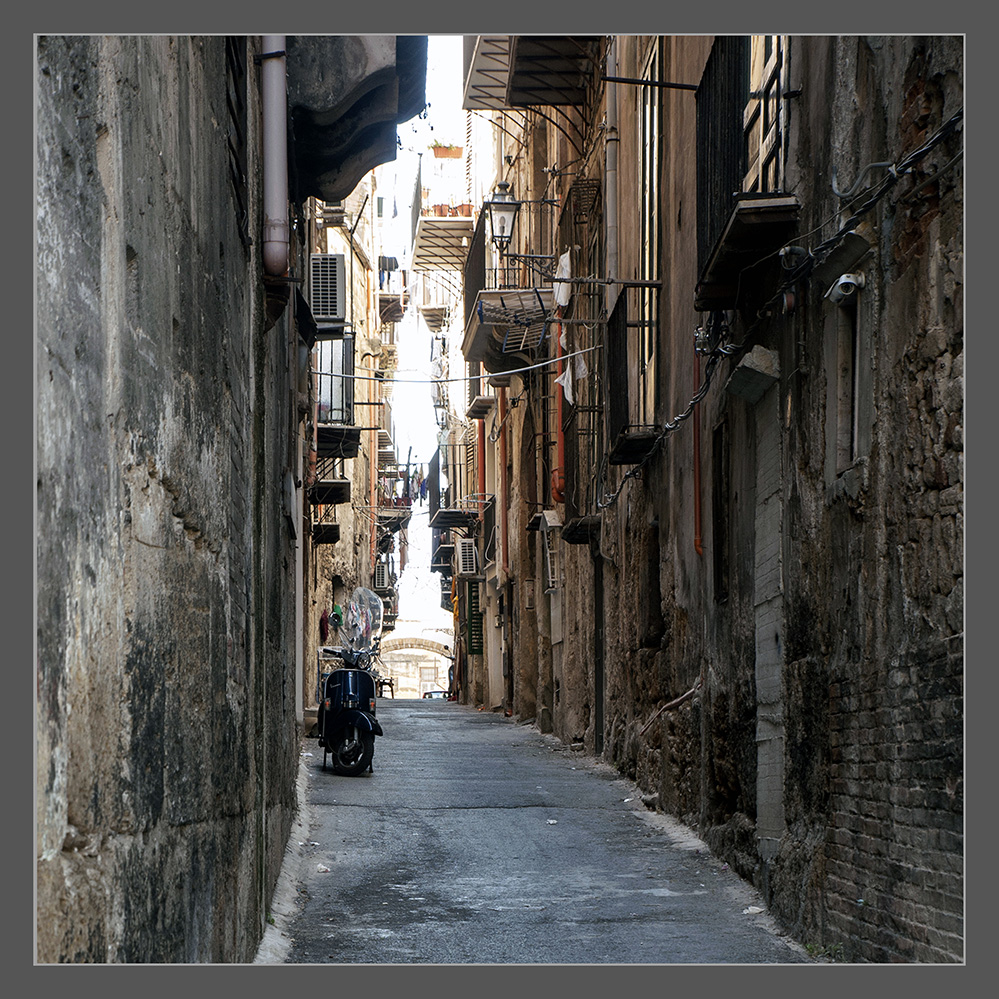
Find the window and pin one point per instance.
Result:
(721, 157)
(473, 623)
(849, 402)
(847, 394)
(647, 299)
(720, 506)
(335, 382)
(763, 117)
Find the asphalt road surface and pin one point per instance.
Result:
(477, 840)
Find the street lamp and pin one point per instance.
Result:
(502, 210)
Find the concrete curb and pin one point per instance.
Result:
(286, 903)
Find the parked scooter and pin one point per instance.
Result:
(347, 723)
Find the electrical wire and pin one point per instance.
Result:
(858, 205)
(462, 378)
(867, 200)
(669, 427)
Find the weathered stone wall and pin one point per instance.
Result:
(166, 746)
(874, 657)
(822, 753)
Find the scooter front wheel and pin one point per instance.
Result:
(353, 752)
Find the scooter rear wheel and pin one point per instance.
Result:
(351, 757)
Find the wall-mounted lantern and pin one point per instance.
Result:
(502, 211)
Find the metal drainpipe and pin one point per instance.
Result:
(502, 478)
(696, 416)
(480, 433)
(611, 143)
(373, 501)
(275, 128)
(558, 474)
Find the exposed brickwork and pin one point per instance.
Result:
(895, 843)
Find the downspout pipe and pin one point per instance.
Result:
(558, 474)
(275, 128)
(696, 417)
(501, 402)
(480, 434)
(611, 144)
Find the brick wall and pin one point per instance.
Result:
(895, 841)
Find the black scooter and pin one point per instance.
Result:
(347, 723)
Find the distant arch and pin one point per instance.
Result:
(396, 644)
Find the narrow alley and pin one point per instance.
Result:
(611, 387)
(477, 840)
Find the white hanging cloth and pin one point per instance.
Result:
(563, 290)
(565, 380)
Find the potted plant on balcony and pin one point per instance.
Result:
(444, 150)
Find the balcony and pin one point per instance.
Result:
(504, 324)
(335, 440)
(330, 492)
(325, 534)
(344, 119)
(336, 436)
(480, 407)
(633, 445)
(760, 224)
(394, 515)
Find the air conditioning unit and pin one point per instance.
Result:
(381, 576)
(468, 558)
(326, 287)
(551, 528)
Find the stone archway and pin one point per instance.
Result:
(398, 644)
(408, 660)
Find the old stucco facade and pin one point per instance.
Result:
(166, 589)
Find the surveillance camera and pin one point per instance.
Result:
(844, 288)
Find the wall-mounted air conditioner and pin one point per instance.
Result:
(551, 538)
(468, 558)
(327, 287)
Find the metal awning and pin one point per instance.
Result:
(551, 70)
(434, 316)
(394, 518)
(392, 306)
(442, 243)
(488, 74)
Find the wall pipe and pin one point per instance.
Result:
(611, 145)
(558, 473)
(697, 460)
(275, 129)
(480, 433)
(501, 392)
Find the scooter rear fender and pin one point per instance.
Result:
(363, 721)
